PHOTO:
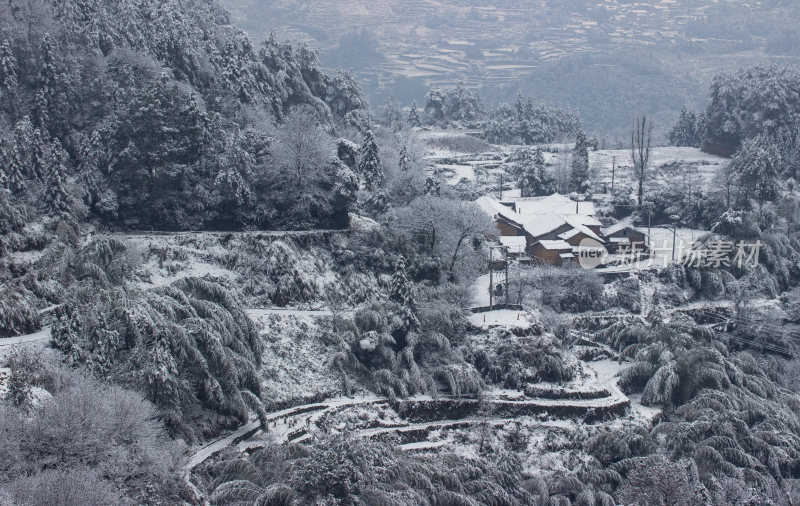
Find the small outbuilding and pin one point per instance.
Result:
(553, 252)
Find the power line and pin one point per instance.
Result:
(755, 326)
(768, 346)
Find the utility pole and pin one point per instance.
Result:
(649, 240)
(613, 172)
(501, 186)
(505, 261)
(674, 238)
(491, 279)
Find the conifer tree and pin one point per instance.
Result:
(8, 66)
(413, 116)
(579, 175)
(23, 137)
(519, 107)
(526, 172)
(684, 133)
(56, 197)
(547, 184)
(39, 160)
(3, 165)
(369, 164)
(405, 161)
(89, 167)
(47, 83)
(16, 166)
(400, 290)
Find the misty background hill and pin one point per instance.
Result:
(610, 59)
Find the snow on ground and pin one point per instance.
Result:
(458, 172)
(297, 361)
(500, 318)
(700, 167)
(661, 242)
(32, 341)
(480, 291)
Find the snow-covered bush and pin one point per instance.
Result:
(81, 424)
(18, 314)
(189, 347)
(570, 290)
(514, 361)
(343, 469)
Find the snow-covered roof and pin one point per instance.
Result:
(576, 224)
(514, 243)
(582, 219)
(617, 227)
(565, 255)
(569, 234)
(493, 208)
(541, 224)
(555, 245)
(540, 216)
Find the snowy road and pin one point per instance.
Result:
(288, 311)
(42, 335)
(296, 423)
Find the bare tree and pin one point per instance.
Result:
(301, 146)
(445, 226)
(641, 136)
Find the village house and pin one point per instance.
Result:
(624, 237)
(554, 227)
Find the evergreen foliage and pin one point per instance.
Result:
(524, 123)
(401, 290)
(685, 132)
(369, 163)
(414, 120)
(153, 102)
(579, 169)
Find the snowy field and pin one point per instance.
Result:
(456, 163)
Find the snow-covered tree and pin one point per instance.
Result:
(89, 174)
(684, 133)
(404, 161)
(401, 290)
(47, 83)
(369, 163)
(56, 197)
(14, 171)
(435, 104)
(39, 158)
(579, 174)
(392, 116)
(462, 104)
(432, 186)
(8, 66)
(534, 180)
(347, 152)
(3, 165)
(413, 116)
(755, 166)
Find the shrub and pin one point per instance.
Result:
(18, 314)
(86, 425)
(571, 290)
